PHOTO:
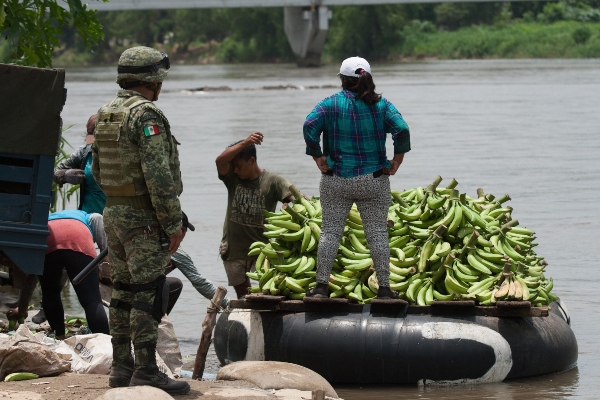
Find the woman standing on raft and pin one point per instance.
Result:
(354, 167)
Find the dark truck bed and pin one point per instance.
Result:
(31, 100)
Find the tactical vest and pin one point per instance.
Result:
(121, 172)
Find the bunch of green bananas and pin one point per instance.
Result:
(443, 246)
(286, 264)
(14, 321)
(470, 248)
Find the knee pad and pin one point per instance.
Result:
(158, 308)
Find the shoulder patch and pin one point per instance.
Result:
(147, 115)
(151, 130)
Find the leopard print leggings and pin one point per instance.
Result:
(373, 199)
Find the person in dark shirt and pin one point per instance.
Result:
(250, 190)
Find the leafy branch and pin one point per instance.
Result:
(32, 28)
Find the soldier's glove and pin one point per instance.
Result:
(74, 176)
(185, 223)
(60, 178)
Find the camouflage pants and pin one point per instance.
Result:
(136, 257)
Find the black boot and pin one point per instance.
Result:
(321, 291)
(385, 293)
(39, 318)
(122, 364)
(120, 373)
(149, 375)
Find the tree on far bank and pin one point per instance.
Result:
(368, 31)
(32, 28)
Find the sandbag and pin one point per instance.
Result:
(276, 375)
(135, 392)
(167, 346)
(90, 354)
(22, 352)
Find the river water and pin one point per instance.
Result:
(529, 128)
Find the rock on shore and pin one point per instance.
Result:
(280, 381)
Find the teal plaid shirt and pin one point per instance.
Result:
(354, 133)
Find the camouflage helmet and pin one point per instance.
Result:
(143, 64)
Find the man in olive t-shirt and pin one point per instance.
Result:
(250, 190)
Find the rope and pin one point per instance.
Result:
(216, 308)
(229, 310)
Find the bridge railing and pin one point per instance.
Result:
(114, 5)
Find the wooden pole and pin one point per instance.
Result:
(207, 327)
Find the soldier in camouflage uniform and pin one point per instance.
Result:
(136, 163)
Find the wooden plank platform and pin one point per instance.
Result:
(389, 302)
(414, 309)
(460, 303)
(264, 297)
(328, 300)
(253, 305)
(389, 306)
(400, 307)
(292, 305)
(513, 304)
(492, 311)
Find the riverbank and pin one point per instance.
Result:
(72, 386)
(564, 39)
(86, 387)
(419, 40)
(499, 125)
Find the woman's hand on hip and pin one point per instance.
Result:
(394, 167)
(322, 163)
(395, 164)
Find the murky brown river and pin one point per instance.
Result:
(530, 128)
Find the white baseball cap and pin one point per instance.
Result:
(351, 65)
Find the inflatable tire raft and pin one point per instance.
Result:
(375, 348)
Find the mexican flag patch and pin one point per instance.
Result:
(151, 130)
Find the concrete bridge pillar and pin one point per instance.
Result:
(306, 30)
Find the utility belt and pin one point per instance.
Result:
(141, 202)
(376, 174)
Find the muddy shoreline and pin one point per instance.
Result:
(72, 386)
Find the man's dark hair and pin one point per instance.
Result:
(91, 124)
(363, 86)
(247, 152)
(127, 84)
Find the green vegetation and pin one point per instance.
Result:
(32, 29)
(564, 39)
(467, 30)
(566, 28)
(193, 36)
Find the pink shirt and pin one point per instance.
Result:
(70, 234)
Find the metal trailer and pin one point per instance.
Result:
(31, 101)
